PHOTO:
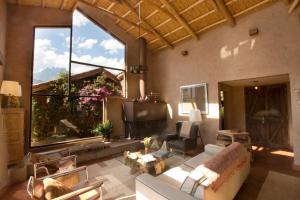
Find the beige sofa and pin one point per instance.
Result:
(167, 185)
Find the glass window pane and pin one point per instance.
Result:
(91, 44)
(57, 119)
(96, 81)
(51, 60)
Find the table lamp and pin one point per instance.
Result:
(195, 116)
(13, 90)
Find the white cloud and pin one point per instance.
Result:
(68, 40)
(99, 60)
(46, 56)
(112, 45)
(79, 19)
(87, 44)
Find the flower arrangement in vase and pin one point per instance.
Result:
(147, 144)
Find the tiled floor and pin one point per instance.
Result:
(264, 161)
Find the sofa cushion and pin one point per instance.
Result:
(54, 188)
(192, 181)
(175, 176)
(213, 149)
(176, 144)
(198, 160)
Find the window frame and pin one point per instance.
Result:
(69, 94)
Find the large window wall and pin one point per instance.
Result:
(74, 69)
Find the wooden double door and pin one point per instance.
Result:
(267, 115)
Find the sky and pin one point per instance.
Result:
(90, 44)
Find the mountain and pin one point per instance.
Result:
(47, 74)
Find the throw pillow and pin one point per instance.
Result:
(185, 129)
(54, 188)
(192, 181)
(37, 188)
(69, 180)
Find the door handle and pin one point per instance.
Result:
(263, 120)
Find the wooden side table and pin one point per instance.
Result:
(226, 137)
(139, 162)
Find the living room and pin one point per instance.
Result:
(122, 71)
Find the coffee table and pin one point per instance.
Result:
(144, 163)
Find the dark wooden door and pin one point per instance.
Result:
(267, 115)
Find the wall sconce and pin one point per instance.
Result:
(253, 31)
(184, 53)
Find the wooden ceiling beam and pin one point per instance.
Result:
(43, 3)
(19, 2)
(217, 23)
(110, 13)
(179, 18)
(160, 9)
(128, 12)
(62, 4)
(132, 9)
(225, 11)
(157, 9)
(181, 12)
(293, 6)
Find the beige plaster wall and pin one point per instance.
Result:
(2, 34)
(19, 48)
(227, 53)
(235, 108)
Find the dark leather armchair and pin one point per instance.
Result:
(183, 144)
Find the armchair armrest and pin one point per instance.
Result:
(58, 161)
(149, 187)
(72, 171)
(171, 137)
(91, 186)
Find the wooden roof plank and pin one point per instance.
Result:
(179, 18)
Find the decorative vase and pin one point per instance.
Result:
(146, 150)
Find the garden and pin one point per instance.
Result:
(58, 117)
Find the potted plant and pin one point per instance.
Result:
(104, 129)
(147, 144)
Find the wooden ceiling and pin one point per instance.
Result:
(164, 23)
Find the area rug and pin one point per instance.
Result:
(119, 183)
(279, 186)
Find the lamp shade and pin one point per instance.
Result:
(12, 88)
(195, 116)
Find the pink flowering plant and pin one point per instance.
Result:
(96, 91)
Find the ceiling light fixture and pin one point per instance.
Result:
(138, 69)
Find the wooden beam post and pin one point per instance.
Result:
(125, 3)
(226, 12)
(293, 6)
(179, 18)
